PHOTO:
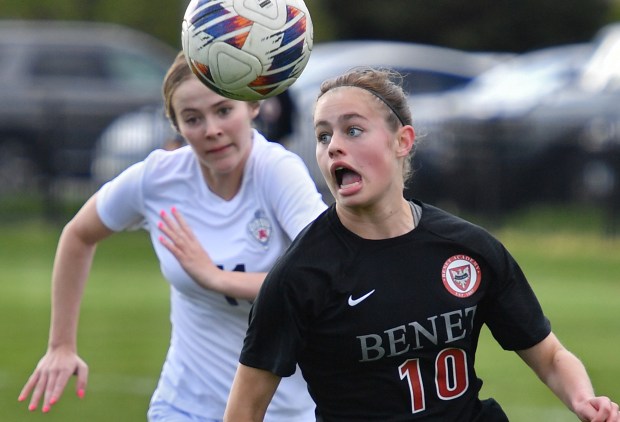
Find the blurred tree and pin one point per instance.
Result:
(160, 18)
(502, 25)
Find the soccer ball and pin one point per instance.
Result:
(247, 49)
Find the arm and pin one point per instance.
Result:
(250, 394)
(566, 376)
(72, 264)
(179, 239)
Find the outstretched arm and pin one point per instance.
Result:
(250, 394)
(180, 240)
(566, 376)
(72, 265)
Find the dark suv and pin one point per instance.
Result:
(61, 84)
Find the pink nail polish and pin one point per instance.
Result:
(53, 401)
(21, 398)
(32, 407)
(173, 209)
(162, 213)
(160, 225)
(80, 393)
(45, 409)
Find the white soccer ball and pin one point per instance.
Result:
(247, 49)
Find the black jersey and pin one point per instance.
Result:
(387, 330)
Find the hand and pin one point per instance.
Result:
(597, 409)
(50, 378)
(180, 240)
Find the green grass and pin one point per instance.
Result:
(124, 329)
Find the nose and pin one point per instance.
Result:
(335, 146)
(212, 129)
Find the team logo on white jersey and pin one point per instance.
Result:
(260, 228)
(461, 275)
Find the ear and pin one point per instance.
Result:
(405, 138)
(254, 109)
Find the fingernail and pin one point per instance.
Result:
(32, 407)
(80, 393)
(53, 400)
(161, 239)
(160, 225)
(162, 213)
(173, 209)
(21, 398)
(45, 409)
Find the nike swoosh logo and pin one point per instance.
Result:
(354, 302)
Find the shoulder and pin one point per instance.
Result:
(161, 166)
(458, 230)
(318, 249)
(272, 157)
(160, 159)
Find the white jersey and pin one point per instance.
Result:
(248, 233)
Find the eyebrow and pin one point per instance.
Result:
(342, 118)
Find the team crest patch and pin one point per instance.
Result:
(260, 228)
(461, 275)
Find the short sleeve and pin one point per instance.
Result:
(120, 202)
(287, 185)
(273, 337)
(516, 318)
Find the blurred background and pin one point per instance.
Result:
(514, 103)
(516, 110)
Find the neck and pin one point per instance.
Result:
(227, 185)
(378, 222)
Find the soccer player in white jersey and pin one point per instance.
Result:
(219, 211)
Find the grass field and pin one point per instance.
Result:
(124, 328)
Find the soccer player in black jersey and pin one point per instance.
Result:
(381, 300)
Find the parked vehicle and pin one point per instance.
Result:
(428, 70)
(61, 84)
(535, 129)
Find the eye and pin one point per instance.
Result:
(323, 138)
(224, 111)
(191, 120)
(354, 131)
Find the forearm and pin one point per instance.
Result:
(71, 268)
(72, 264)
(237, 284)
(560, 370)
(568, 379)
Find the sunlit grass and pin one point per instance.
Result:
(124, 329)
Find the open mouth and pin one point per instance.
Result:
(346, 177)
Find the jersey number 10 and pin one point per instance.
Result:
(451, 377)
